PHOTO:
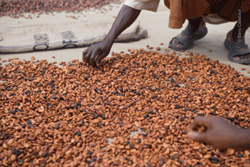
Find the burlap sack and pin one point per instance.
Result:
(46, 36)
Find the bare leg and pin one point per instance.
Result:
(193, 26)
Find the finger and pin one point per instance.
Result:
(93, 57)
(85, 52)
(200, 121)
(197, 136)
(87, 57)
(99, 59)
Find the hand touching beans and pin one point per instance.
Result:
(218, 132)
(95, 53)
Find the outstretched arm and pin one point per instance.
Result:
(220, 133)
(96, 52)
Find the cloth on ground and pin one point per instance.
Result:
(46, 36)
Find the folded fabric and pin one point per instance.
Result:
(48, 36)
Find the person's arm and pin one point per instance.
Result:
(95, 53)
(243, 141)
(220, 133)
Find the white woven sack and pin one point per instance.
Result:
(46, 36)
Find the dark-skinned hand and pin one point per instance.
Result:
(216, 131)
(95, 53)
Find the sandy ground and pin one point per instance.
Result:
(155, 22)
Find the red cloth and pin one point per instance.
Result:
(180, 10)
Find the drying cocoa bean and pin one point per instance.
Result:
(145, 101)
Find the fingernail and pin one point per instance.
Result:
(192, 134)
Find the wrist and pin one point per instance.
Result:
(108, 42)
(241, 140)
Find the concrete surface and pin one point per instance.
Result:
(155, 23)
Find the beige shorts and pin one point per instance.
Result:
(150, 5)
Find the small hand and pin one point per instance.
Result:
(95, 53)
(216, 131)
